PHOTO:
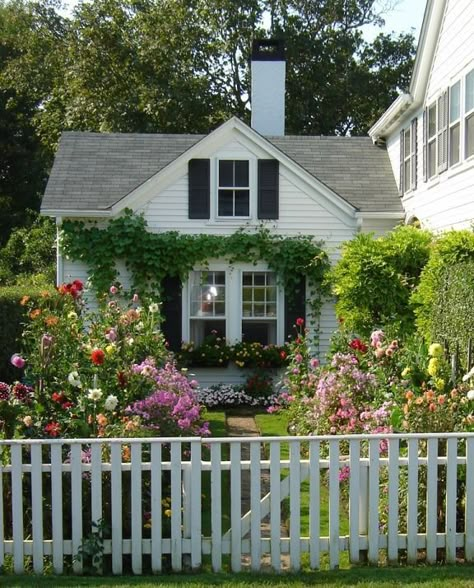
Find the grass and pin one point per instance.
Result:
(362, 577)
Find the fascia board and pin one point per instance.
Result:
(75, 213)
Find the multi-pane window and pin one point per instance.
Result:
(432, 140)
(454, 123)
(259, 307)
(207, 304)
(233, 189)
(407, 154)
(469, 114)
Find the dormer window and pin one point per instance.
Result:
(233, 189)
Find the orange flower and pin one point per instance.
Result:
(429, 394)
(419, 400)
(102, 420)
(409, 395)
(45, 294)
(51, 321)
(432, 407)
(405, 408)
(454, 393)
(441, 399)
(24, 300)
(35, 313)
(126, 454)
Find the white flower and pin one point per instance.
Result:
(140, 326)
(469, 375)
(111, 402)
(95, 394)
(153, 307)
(470, 395)
(74, 380)
(72, 315)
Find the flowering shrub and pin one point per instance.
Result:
(256, 355)
(227, 395)
(78, 363)
(213, 352)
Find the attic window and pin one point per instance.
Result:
(233, 189)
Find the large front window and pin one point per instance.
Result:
(259, 307)
(207, 304)
(233, 189)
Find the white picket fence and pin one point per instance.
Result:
(52, 491)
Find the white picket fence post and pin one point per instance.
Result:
(53, 491)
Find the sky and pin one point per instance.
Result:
(406, 17)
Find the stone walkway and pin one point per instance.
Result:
(245, 426)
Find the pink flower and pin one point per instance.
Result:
(376, 337)
(113, 290)
(298, 358)
(111, 335)
(314, 363)
(299, 322)
(135, 298)
(17, 361)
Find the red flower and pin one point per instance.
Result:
(53, 429)
(122, 380)
(358, 345)
(283, 354)
(97, 356)
(66, 405)
(57, 397)
(74, 289)
(299, 322)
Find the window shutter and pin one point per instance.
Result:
(425, 145)
(414, 151)
(171, 311)
(402, 162)
(295, 307)
(199, 188)
(268, 189)
(443, 132)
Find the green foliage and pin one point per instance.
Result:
(375, 277)
(12, 317)
(29, 251)
(150, 257)
(444, 298)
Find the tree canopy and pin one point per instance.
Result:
(178, 66)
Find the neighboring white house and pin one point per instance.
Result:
(429, 131)
(327, 187)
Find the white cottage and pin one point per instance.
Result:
(326, 187)
(429, 131)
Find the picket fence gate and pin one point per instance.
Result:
(149, 492)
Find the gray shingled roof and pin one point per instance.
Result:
(92, 171)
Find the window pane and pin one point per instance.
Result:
(432, 159)
(247, 294)
(206, 297)
(470, 91)
(226, 173)
(241, 202)
(247, 309)
(454, 144)
(259, 278)
(263, 332)
(454, 102)
(226, 203)
(247, 279)
(242, 173)
(407, 143)
(271, 309)
(407, 176)
(432, 121)
(200, 329)
(259, 309)
(271, 294)
(470, 135)
(259, 294)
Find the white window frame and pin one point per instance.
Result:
(192, 317)
(233, 300)
(431, 140)
(407, 159)
(466, 114)
(233, 156)
(455, 122)
(259, 318)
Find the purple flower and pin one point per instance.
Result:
(17, 361)
(4, 391)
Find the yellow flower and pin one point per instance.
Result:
(433, 366)
(110, 349)
(406, 372)
(435, 350)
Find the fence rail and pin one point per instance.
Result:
(154, 504)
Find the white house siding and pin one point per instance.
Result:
(446, 201)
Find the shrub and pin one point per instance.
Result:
(445, 296)
(375, 277)
(227, 395)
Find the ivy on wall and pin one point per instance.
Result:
(150, 257)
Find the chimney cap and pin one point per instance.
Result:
(268, 50)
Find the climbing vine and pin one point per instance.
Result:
(150, 257)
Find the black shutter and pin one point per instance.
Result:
(295, 307)
(268, 189)
(171, 311)
(402, 163)
(425, 145)
(199, 188)
(414, 151)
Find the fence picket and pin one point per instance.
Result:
(374, 474)
(2, 507)
(96, 488)
(57, 507)
(216, 511)
(17, 509)
(116, 500)
(37, 507)
(255, 496)
(235, 508)
(295, 506)
(314, 505)
(275, 506)
(393, 510)
(333, 504)
(431, 500)
(412, 511)
(469, 507)
(76, 505)
(451, 495)
(196, 523)
(354, 496)
(136, 507)
(156, 497)
(176, 491)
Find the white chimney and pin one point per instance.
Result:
(268, 87)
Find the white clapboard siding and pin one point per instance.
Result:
(61, 489)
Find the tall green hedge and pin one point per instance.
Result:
(444, 298)
(12, 317)
(375, 277)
